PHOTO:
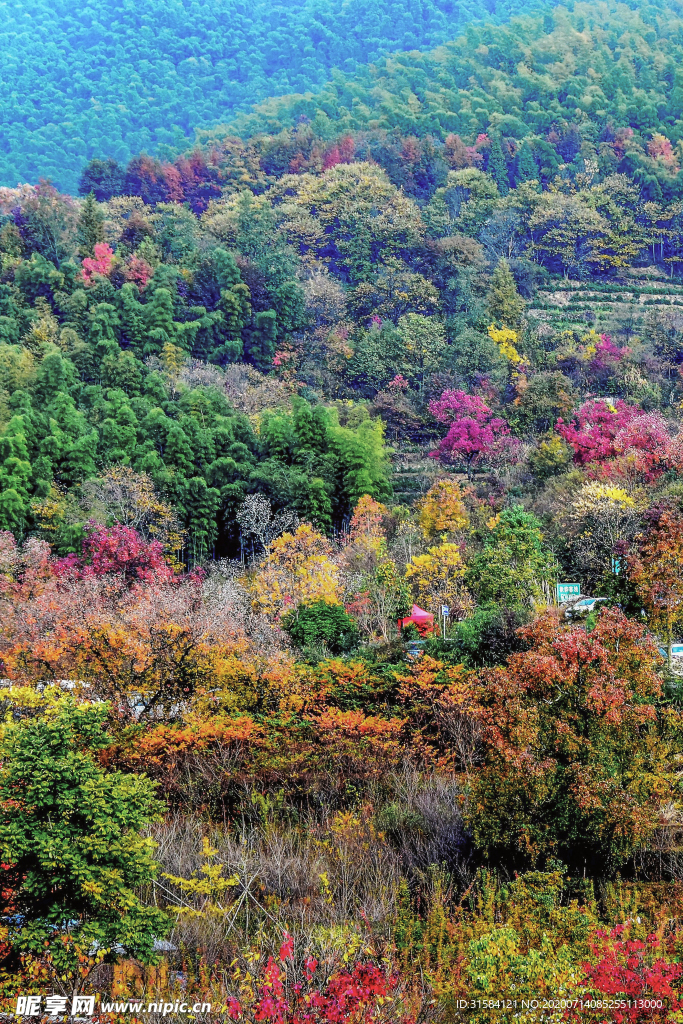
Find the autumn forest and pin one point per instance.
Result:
(341, 512)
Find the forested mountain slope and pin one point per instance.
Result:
(115, 77)
(589, 92)
(416, 340)
(587, 64)
(354, 273)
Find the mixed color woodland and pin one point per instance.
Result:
(412, 343)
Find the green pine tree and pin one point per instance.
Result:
(160, 328)
(13, 509)
(290, 307)
(201, 505)
(525, 165)
(310, 430)
(313, 503)
(504, 303)
(15, 477)
(71, 444)
(132, 317)
(235, 305)
(262, 339)
(104, 324)
(90, 226)
(497, 166)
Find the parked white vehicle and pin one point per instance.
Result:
(582, 607)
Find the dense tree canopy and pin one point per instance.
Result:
(69, 830)
(116, 79)
(565, 83)
(341, 494)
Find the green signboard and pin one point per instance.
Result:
(567, 591)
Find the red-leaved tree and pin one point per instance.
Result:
(645, 443)
(593, 430)
(99, 264)
(117, 550)
(139, 271)
(634, 980)
(283, 994)
(619, 433)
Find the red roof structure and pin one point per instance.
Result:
(422, 619)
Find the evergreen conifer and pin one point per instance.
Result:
(525, 165)
(90, 226)
(497, 166)
(504, 302)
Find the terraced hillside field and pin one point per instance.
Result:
(619, 306)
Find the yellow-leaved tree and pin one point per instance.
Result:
(506, 340)
(298, 569)
(376, 591)
(601, 519)
(366, 541)
(436, 578)
(442, 510)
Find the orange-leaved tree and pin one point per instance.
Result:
(577, 748)
(366, 541)
(155, 647)
(656, 568)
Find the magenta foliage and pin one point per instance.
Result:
(475, 433)
(646, 433)
(454, 405)
(117, 550)
(647, 439)
(606, 354)
(600, 432)
(100, 264)
(593, 430)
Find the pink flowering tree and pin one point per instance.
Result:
(120, 551)
(607, 355)
(475, 434)
(100, 264)
(645, 442)
(675, 452)
(593, 430)
(618, 435)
